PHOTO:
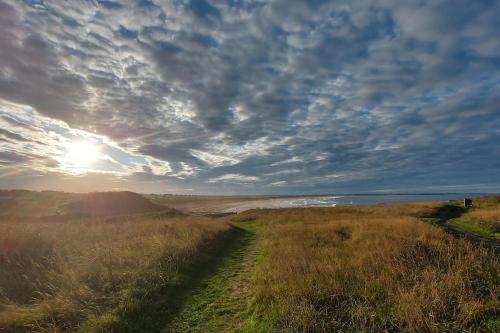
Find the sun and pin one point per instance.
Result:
(83, 153)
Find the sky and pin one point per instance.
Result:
(250, 97)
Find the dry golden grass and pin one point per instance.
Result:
(370, 269)
(347, 269)
(490, 213)
(56, 275)
(485, 221)
(485, 209)
(483, 218)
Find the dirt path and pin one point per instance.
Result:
(220, 302)
(448, 212)
(491, 243)
(210, 295)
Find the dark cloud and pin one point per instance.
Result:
(7, 158)
(310, 96)
(109, 4)
(32, 72)
(203, 8)
(11, 135)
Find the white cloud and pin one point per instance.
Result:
(234, 178)
(252, 92)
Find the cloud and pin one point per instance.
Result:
(234, 178)
(358, 96)
(11, 136)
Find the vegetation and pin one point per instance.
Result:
(55, 276)
(482, 219)
(32, 203)
(220, 302)
(357, 269)
(348, 269)
(58, 205)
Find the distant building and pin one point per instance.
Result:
(467, 202)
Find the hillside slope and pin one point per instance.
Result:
(52, 203)
(112, 203)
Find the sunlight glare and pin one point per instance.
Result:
(83, 152)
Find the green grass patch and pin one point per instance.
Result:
(485, 229)
(156, 298)
(220, 301)
(197, 299)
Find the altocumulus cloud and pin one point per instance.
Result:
(252, 96)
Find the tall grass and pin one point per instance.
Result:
(55, 276)
(343, 269)
(355, 269)
(483, 218)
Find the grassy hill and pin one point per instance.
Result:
(34, 203)
(111, 203)
(53, 203)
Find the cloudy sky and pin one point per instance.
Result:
(250, 96)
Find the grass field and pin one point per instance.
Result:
(482, 219)
(370, 269)
(57, 276)
(348, 269)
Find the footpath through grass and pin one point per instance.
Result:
(199, 299)
(482, 220)
(486, 229)
(219, 303)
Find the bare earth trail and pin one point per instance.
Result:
(220, 302)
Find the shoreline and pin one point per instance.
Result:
(337, 200)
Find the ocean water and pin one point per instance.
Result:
(332, 201)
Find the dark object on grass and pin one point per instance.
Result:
(467, 202)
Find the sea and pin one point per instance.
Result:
(337, 200)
